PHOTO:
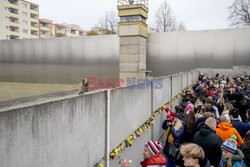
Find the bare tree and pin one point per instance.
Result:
(181, 27)
(240, 13)
(109, 22)
(166, 21)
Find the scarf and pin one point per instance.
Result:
(169, 135)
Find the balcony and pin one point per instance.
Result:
(60, 32)
(14, 15)
(34, 36)
(33, 12)
(14, 6)
(44, 36)
(14, 33)
(44, 28)
(34, 20)
(34, 28)
(14, 24)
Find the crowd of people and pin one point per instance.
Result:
(210, 127)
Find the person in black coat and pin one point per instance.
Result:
(241, 127)
(245, 148)
(243, 105)
(209, 141)
(189, 127)
(174, 132)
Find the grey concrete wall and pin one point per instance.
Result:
(173, 52)
(160, 98)
(190, 78)
(240, 70)
(65, 60)
(130, 108)
(59, 60)
(72, 131)
(63, 133)
(184, 81)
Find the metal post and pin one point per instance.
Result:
(108, 129)
(152, 105)
(181, 81)
(171, 91)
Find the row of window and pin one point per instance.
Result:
(25, 14)
(11, 37)
(133, 18)
(24, 5)
(15, 29)
(44, 25)
(24, 22)
(44, 32)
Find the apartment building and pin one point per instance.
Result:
(74, 30)
(46, 28)
(71, 30)
(18, 19)
(50, 30)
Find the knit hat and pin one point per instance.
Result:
(212, 92)
(189, 107)
(230, 145)
(154, 147)
(177, 115)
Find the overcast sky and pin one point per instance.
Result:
(196, 14)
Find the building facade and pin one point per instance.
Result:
(50, 30)
(19, 19)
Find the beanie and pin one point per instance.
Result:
(189, 107)
(154, 147)
(230, 145)
(177, 115)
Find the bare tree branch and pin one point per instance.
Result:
(239, 13)
(166, 21)
(108, 23)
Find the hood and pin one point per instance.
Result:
(205, 163)
(224, 126)
(238, 155)
(157, 159)
(205, 130)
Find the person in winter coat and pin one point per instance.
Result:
(242, 105)
(170, 114)
(209, 141)
(201, 121)
(231, 156)
(245, 148)
(225, 130)
(225, 112)
(194, 156)
(248, 119)
(197, 105)
(151, 156)
(189, 127)
(241, 127)
(174, 132)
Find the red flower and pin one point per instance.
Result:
(112, 156)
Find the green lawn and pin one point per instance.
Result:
(10, 90)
